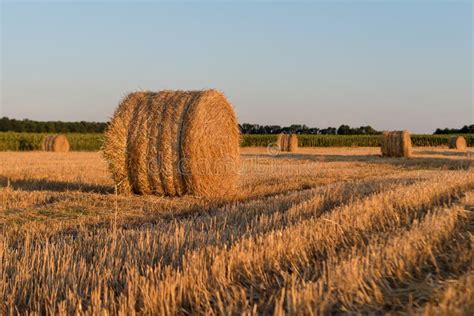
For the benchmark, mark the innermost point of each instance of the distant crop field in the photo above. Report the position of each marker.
(10, 141)
(350, 140)
(322, 231)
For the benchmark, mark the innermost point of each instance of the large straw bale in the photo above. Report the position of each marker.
(176, 143)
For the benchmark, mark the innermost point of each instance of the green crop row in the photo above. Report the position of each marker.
(32, 141)
(93, 142)
(349, 140)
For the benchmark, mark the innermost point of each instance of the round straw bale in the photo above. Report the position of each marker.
(169, 141)
(115, 140)
(56, 143)
(292, 143)
(457, 142)
(406, 147)
(177, 142)
(156, 102)
(396, 144)
(60, 144)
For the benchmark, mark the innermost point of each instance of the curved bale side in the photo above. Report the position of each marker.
(115, 140)
(396, 144)
(137, 147)
(55, 143)
(283, 142)
(457, 142)
(177, 142)
(287, 142)
(279, 141)
(46, 145)
(384, 143)
(292, 143)
(284, 145)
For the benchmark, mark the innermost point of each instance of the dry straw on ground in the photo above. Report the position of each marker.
(396, 144)
(56, 143)
(287, 142)
(174, 143)
(457, 142)
(330, 231)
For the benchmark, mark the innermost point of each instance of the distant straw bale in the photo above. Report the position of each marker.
(287, 142)
(396, 144)
(55, 143)
(457, 142)
(293, 143)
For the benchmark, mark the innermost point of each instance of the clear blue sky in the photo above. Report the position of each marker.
(392, 65)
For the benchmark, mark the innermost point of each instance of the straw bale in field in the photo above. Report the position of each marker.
(174, 143)
(396, 144)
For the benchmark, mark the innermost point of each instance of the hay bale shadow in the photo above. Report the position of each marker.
(452, 153)
(413, 162)
(56, 186)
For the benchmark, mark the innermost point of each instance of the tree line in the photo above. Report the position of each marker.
(464, 130)
(303, 129)
(29, 126)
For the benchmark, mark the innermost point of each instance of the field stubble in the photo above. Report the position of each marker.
(325, 230)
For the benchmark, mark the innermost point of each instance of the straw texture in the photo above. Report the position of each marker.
(176, 143)
(55, 143)
(396, 144)
(457, 142)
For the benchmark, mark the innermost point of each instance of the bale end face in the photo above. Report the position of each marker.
(457, 142)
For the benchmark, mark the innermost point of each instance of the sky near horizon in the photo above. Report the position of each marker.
(391, 65)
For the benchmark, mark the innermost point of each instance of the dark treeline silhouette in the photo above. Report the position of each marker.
(464, 130)
(303, 129)
(29, 126)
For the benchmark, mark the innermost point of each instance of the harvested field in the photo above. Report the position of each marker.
(326, 230)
